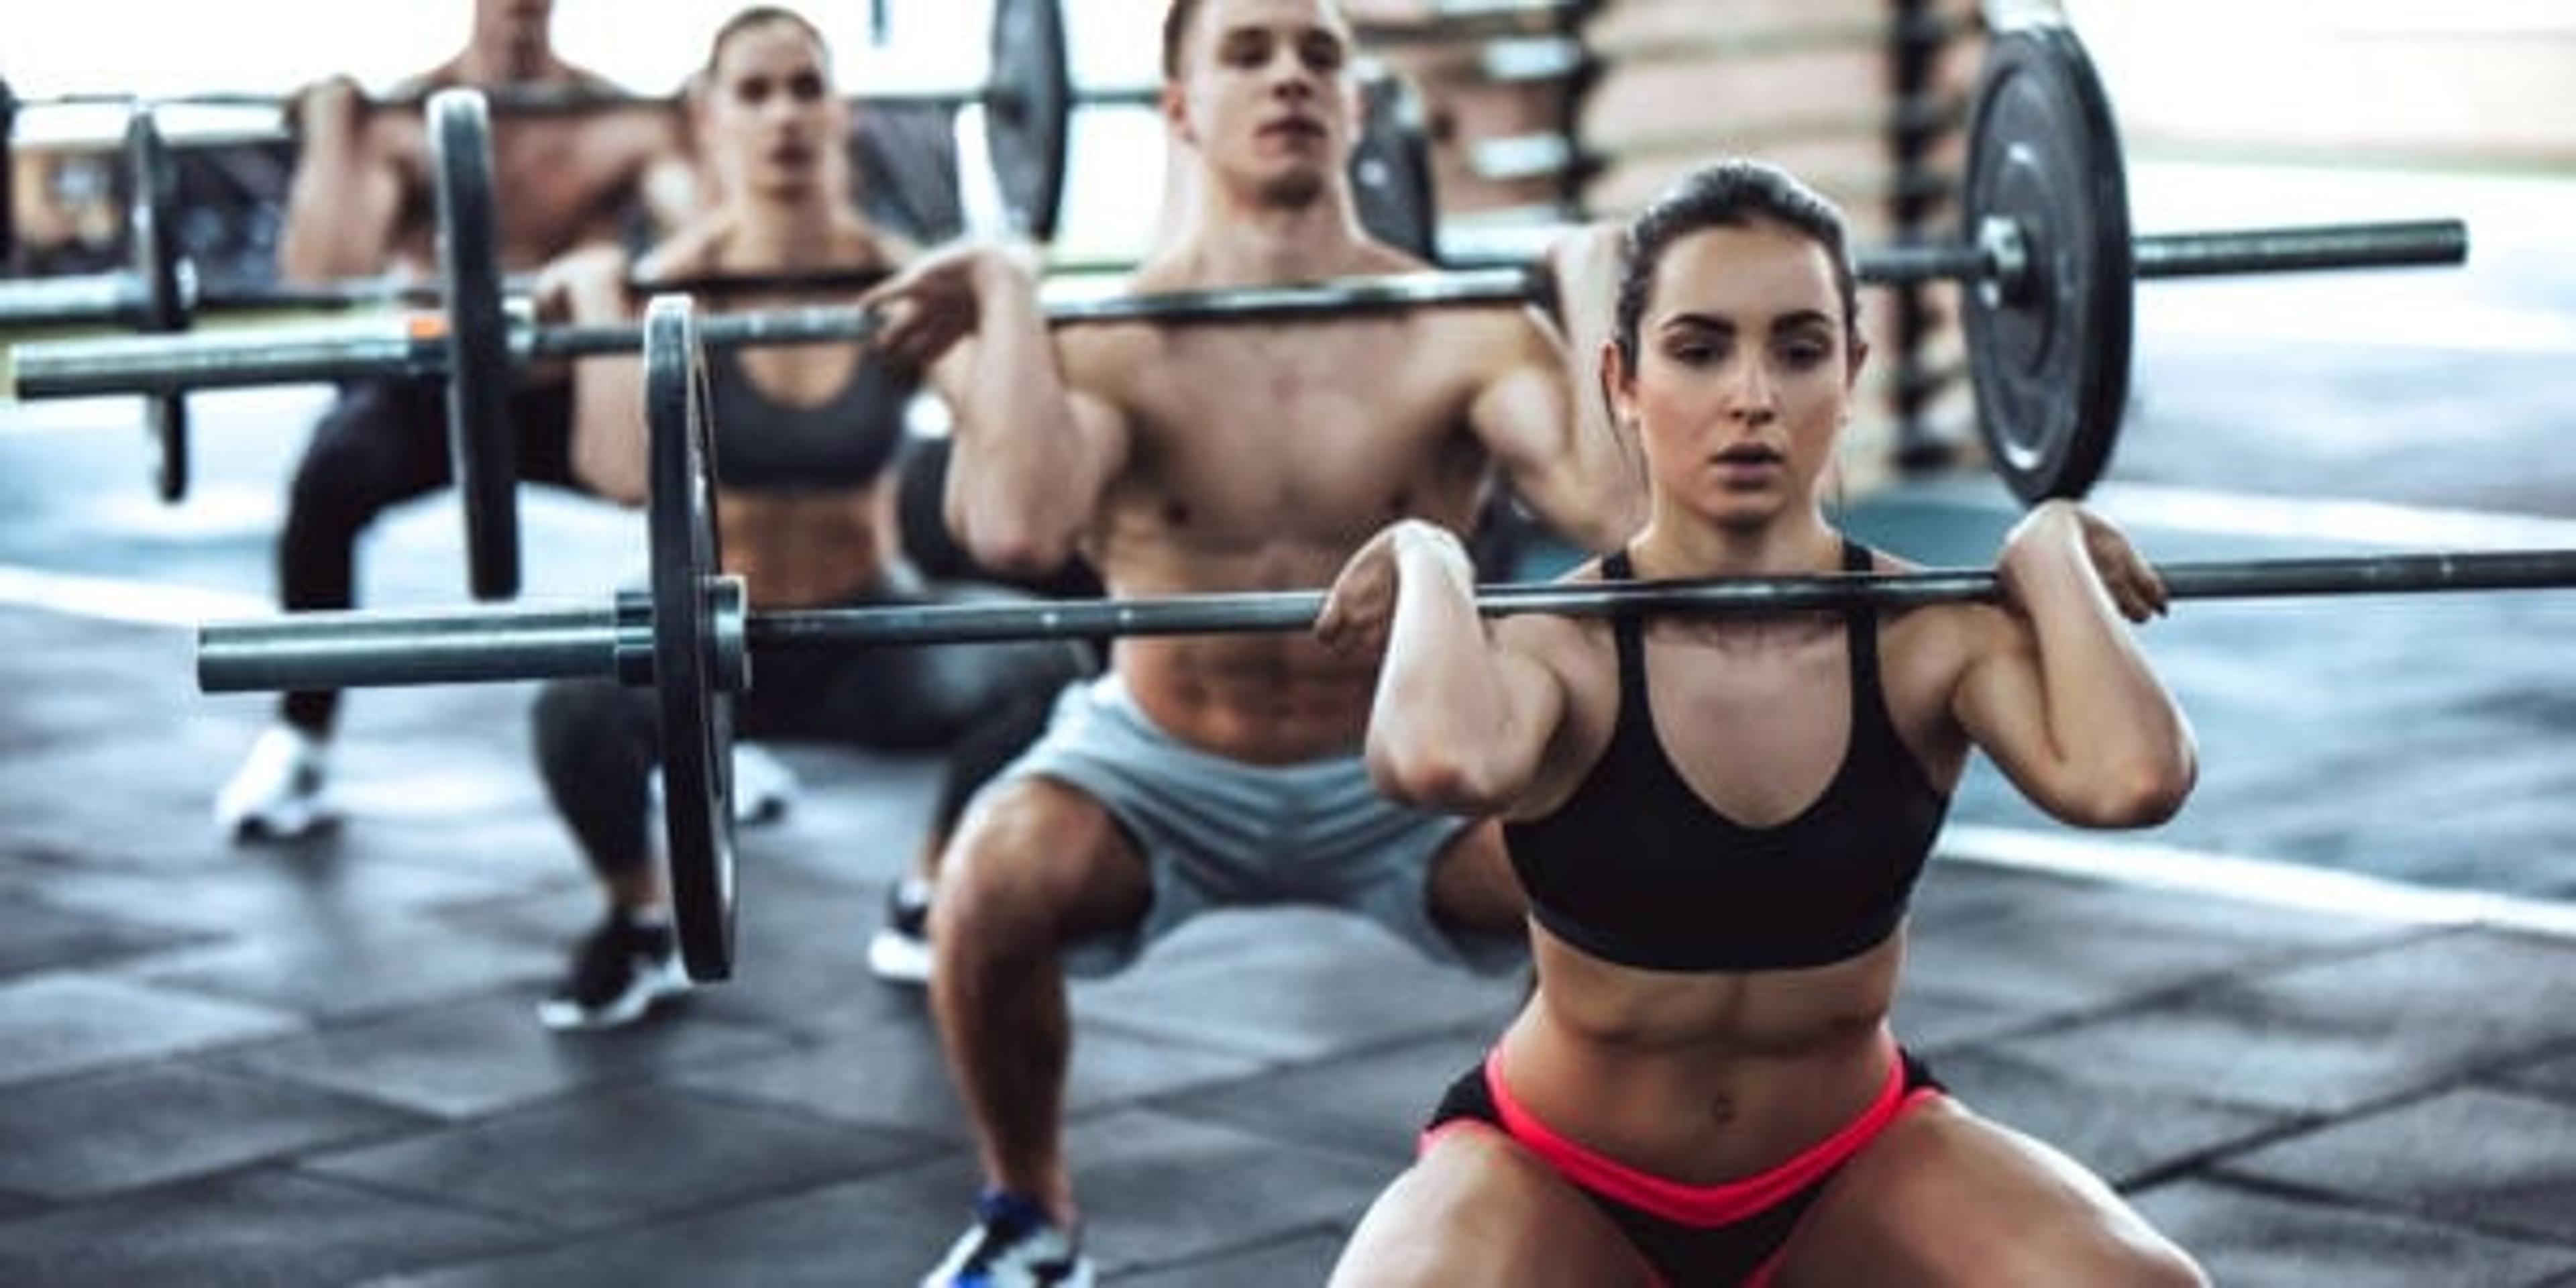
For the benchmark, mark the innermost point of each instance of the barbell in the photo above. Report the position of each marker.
(2045, 243)
(1027, 95)
(477, 340)
(694, 639)
(160, 291)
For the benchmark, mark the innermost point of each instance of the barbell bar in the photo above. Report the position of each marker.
(694, 639)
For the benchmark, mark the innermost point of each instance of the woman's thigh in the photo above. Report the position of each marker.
(1478, 1209)
(1944, 1196)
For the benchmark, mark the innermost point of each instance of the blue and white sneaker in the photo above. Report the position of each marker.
(1012, 1244)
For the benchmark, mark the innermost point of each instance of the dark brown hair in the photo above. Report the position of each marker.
(1730, 194)
(761, 15)
(1176, 33)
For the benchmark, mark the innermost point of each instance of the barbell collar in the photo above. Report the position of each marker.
(372, 649)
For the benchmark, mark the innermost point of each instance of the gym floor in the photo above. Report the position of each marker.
(2322, 1026)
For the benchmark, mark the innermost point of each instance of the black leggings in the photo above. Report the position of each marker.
(382, 443)
(596, 740)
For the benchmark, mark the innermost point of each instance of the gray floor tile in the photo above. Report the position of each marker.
(1302, 1261)
(489, 1054)
(2247, 1239)
(1158, 1188)
(1935, 1022)
(35, 937)
(342, 977)
(2123, 1138)
(253, 1229)
(2334, 1036)
(2091, 946)
(827, 1238)
(2551, 1076)
(1292, 984)
(1372, 1105)
(66, 1023)
(618, 1157)
(84, 1137)
(335, 886)
(2496, 1160)
(895, 1077)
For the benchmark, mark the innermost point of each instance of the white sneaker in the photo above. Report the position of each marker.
(281, 792)
(763, 786)
(1012, 1245)
(899, 953)
(621, 970)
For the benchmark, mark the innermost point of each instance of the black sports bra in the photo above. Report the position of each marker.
(845, 441)
(1636, 869)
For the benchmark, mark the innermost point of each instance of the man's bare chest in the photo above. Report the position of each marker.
(1308, 432)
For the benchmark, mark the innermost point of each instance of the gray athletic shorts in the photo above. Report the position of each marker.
(1218, 833)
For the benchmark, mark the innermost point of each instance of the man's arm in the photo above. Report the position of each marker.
(344, 205)
(1542, 414)
(1033, 454)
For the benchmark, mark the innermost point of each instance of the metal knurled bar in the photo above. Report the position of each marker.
(382, 649)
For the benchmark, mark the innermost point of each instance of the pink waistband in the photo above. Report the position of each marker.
(1699, 1205)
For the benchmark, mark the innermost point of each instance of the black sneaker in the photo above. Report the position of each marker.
(899, 953)
(618, 973)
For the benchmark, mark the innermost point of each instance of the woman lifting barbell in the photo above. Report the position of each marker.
(1719, 825)
(805, 454)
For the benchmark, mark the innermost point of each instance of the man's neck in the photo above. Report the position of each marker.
(507, 63)
(1228, 239)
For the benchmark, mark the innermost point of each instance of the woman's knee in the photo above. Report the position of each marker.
(578, 726)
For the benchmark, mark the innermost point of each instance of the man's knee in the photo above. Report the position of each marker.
(1036, 864)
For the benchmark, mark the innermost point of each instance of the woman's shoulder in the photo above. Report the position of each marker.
(691, 250)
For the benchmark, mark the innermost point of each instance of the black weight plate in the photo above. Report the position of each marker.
(905, 158)
(688, 670)
(480, 443)
(1391, 169)
(168, 417)
(2051, 361)
(151, 225)
(8, 195)
(1028, 110)
(152, 233)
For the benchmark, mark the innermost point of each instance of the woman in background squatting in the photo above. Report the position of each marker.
(806, 438)
(1719, 822)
